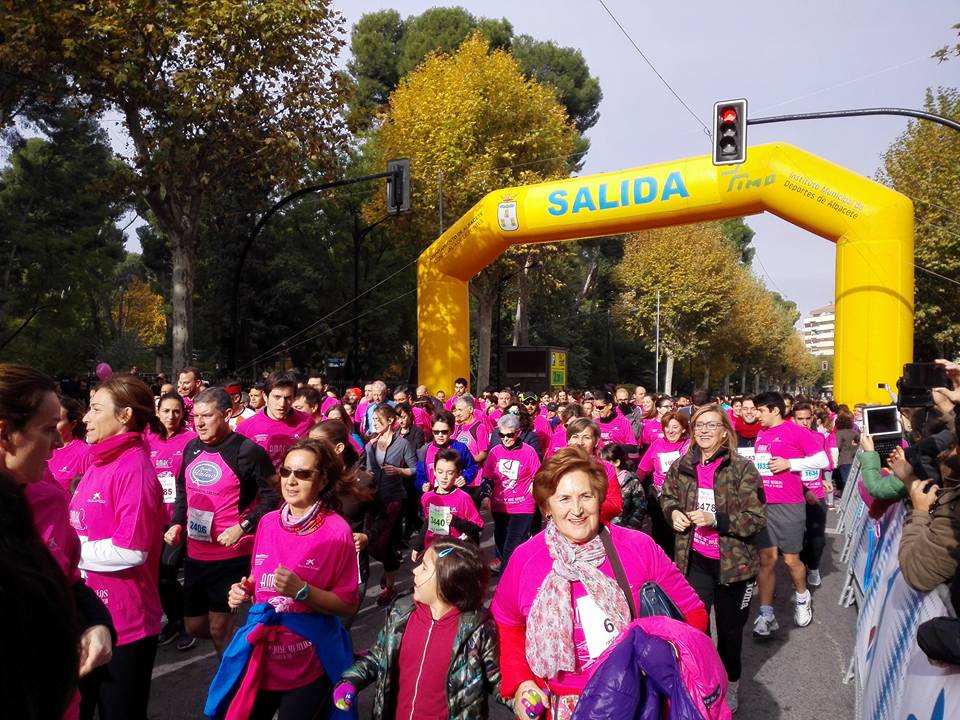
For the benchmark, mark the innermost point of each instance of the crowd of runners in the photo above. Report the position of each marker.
(621, 519)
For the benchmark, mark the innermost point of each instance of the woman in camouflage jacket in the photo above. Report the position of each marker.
(713, 499)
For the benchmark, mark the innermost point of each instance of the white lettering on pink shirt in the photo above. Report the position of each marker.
(275, 436)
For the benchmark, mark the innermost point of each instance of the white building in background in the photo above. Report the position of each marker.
(817, 331)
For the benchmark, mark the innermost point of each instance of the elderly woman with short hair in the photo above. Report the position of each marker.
(511, 467)
(562, 584)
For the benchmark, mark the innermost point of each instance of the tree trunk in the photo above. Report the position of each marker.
(726, 385)
(743, 379)
(668, 376)
(756, 383)
(590, 281)
(521, 325)
(706, 378)
(486, 298)
(182, 302)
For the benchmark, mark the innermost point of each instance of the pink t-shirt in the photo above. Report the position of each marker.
(328, 402)
(652, 429)
(706, 540)
(275, 436)
(512, 472)
(213, 497)
(616, 430)
(541, 426)
(660, 456)
(122, 501)
(474, 435)
(50, 505)
(642, 561)
(557, 440)
(494, 415)
(166, 456)
(439, 509)
(789, 441)
(69, 461)
(360, 415)
(422, 419)
(326, 559)
(813, 479)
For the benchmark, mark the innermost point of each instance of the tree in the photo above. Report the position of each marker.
(212, 95)
(385, 48)
(474, 117)
(694, 269)
(944, 53)
(59, 201)
(923, 163)
(739, 235)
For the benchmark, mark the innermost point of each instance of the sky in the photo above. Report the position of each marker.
(783, 57)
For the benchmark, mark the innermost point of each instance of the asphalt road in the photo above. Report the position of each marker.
(795, 675)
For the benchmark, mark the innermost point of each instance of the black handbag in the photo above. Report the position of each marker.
(653, 599)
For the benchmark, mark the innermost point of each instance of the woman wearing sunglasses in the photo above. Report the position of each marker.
(304, 582)
(511, 466)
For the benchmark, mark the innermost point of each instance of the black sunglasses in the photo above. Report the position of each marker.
(299, 473)
(441, 432)
(508, 435)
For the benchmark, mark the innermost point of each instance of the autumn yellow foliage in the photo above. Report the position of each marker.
(139, 311)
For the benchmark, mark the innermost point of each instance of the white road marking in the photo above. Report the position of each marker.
(174, 667)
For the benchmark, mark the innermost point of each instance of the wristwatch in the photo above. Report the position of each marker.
(246, 526)
(302, 593)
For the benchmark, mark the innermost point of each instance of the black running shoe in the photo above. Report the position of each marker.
(171, 631)
(186, 642)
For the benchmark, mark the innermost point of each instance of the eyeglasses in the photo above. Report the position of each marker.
(508, 435)
(299, 473)
(440, 432)
(707, 425)
(668, 406)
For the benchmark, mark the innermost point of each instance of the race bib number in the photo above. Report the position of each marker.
(510, 469)
(598, 629)
(705, 501)
(667, 459)
(439, 519)
(168, 483)
(810, 476)
(762, 461)
(747, 452)
(200, 525)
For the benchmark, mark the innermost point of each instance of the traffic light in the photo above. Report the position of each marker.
(729, 132)
(398, 186)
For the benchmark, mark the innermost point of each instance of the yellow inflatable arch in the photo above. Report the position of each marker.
(871, 225)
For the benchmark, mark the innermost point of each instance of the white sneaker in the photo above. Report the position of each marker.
(733, 702)
(803, 615)
(763, 626)
(813, 578)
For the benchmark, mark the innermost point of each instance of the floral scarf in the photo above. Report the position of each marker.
(549, 637)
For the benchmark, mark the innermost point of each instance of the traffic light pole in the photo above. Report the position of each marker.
(393, 174)
(919, 114)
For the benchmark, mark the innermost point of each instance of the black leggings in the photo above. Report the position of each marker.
(303, 703)
(120, 690)
(171, 591)
(815, 537)
(731, 605)
(660, 527)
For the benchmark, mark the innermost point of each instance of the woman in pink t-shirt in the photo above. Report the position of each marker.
(653, 467)
(69, 461)
(712, 498)
(559, 604)
(511, 466)
(166, 454)
(304, 561)
(584, 433)
(117, 511)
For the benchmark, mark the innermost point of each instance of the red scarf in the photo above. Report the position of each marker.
(106, 451)
(748, 431)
